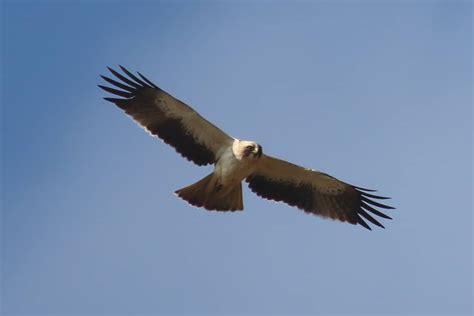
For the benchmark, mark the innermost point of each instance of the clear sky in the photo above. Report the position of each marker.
(376, 94)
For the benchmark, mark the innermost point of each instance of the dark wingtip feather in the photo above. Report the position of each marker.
(370, 218)
(118, 84)
(363, 189)
(116, 92)
(124, 79)
(137, 80)
(361, 222)
(374, 211)
(376, 203)
(375, 196)
(147, 81)
(121, 103)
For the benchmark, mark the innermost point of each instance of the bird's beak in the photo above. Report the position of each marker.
(258, 151)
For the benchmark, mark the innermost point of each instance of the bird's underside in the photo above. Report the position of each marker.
(235, 160)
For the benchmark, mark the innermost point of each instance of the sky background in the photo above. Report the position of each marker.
(376, 94)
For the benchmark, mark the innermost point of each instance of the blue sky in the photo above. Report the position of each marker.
(376, 94)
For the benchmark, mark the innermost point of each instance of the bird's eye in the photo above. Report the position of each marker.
(249, 147)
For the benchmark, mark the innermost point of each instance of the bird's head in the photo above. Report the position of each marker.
(251, 149)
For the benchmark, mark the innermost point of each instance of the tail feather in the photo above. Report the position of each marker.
(208, 193)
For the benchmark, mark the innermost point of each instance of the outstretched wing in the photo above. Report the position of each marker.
(162, 115)
(315, 192)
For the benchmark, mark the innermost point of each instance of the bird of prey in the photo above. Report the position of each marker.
(235, 160)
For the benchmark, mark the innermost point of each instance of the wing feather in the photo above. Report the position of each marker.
(118, 84)
(166, 117)
(314, 192)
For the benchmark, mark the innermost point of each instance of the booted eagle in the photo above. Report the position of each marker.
(234, 160)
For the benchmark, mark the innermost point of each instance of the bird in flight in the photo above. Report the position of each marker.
(235, 160)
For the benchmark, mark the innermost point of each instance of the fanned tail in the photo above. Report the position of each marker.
(211, 195)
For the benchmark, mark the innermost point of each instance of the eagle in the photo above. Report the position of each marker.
(236, 160)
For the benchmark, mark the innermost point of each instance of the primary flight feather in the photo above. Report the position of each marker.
(201, 142)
